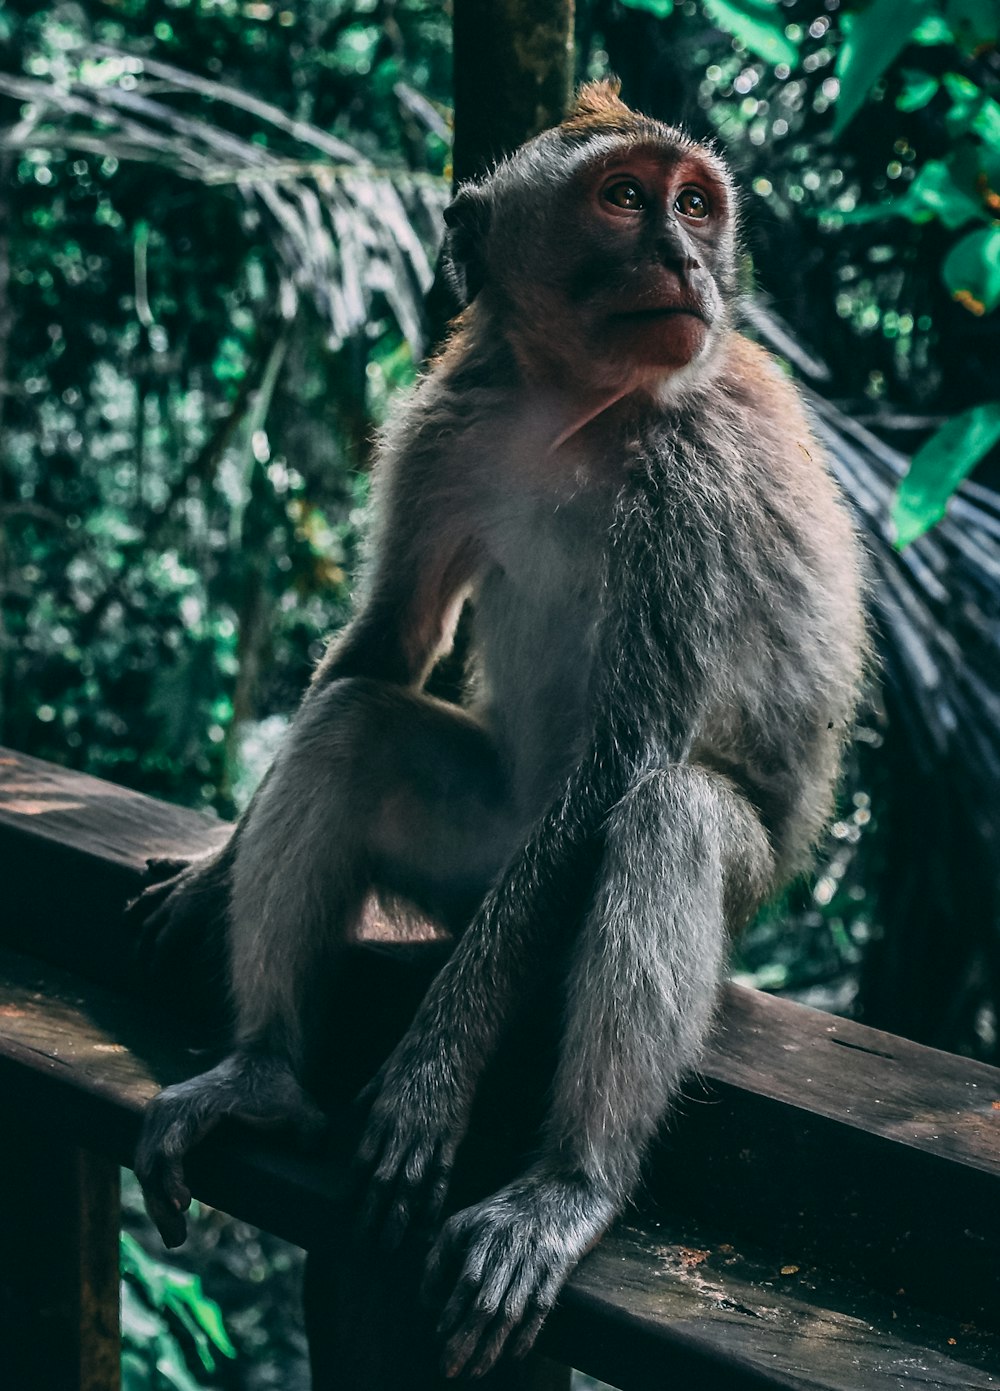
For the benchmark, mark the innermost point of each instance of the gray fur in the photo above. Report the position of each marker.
(667, 649)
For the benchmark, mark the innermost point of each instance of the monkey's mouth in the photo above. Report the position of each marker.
(663, 311)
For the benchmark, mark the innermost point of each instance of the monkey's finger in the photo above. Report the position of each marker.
(161, 931)
(437, 1181)
(378, 1194)
(366, 1097)
(167, 1212)
(442, 1267)
(478, 1293)
(491, 1344)
(405, 1207)
(529, 1299)
(524, 1339)
(164, 1192)
(474, 1349)
(174, 1124)
(461, 1348)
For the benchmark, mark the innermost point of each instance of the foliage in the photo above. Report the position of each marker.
(158, 1300)
(939, 466)
(194, 362)
(937, 57)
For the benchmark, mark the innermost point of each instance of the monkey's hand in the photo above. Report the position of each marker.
(185, 901)
(418, 1115)
(504, 1261)
(258, 1089)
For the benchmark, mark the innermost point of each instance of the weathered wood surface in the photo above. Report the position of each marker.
(662, 1296)
(58, 1264)
(834, 1147)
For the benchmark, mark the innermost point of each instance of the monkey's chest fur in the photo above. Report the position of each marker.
(536, 614)
(723, 585)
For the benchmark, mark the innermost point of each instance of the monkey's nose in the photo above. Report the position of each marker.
(674, 257)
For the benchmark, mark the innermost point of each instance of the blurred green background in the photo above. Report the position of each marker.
(218, 225)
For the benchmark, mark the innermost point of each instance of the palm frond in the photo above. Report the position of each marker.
(348, 234)
(936, 603)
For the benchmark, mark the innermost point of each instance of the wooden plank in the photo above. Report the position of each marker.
(861, 1077)
(74, 850)
(59, 1224)
(663, 1296)
(722, 1319)
(820, 1136)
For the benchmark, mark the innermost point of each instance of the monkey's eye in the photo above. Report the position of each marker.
(691, 202)
(627, 194)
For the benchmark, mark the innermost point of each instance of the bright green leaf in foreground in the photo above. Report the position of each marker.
(933, 193)
(931, 31)
(972, 111)
(918, 89)
(971, 270)
(760, 24)
(937, 469)
(873, 38)
(661, 8)
(169, 1288)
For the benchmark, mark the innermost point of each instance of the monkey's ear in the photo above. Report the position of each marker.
(467, 218)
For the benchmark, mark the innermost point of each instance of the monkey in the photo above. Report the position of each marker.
(667, 647)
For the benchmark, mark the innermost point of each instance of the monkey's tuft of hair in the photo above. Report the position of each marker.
(597, 101)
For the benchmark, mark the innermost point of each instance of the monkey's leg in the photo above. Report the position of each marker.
(375, 785)
(682, 848)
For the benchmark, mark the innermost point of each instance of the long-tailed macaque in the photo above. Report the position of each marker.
(667, 645)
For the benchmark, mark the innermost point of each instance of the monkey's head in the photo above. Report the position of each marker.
(605, 248)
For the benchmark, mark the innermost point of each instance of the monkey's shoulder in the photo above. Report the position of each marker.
(753, 380)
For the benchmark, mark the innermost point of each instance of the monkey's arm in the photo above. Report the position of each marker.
(423, 1096)
(640, 996)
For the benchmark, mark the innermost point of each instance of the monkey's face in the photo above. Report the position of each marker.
(649, 238)
(606, 254)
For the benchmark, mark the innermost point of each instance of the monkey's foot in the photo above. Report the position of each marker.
(258, 1089)
(416, 1121)
(504, 1261)
(185, 900)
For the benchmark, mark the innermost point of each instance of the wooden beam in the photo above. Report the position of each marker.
(665, 1299)
(59, 1225)
(849, 1154)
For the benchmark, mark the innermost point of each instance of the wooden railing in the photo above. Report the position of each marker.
(823, 1211)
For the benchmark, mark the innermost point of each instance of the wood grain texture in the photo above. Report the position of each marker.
(868, 1163)
(59, 1222)
(79, 1060)
(861, 1077)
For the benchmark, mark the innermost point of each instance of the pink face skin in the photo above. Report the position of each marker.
(663, 214)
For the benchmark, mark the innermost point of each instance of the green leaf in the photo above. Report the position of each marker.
(168, 1288)
(933, 193)
(939, 466)
(661, 8)
(760, 24)
(971, 270)
(932, 31)
(873, 38)
(974, 23)
(918, 89)
(972, 111)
